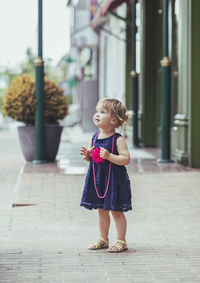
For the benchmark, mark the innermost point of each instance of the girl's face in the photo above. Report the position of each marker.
(102, 118)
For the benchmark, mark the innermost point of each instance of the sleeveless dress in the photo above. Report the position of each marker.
(118, 196)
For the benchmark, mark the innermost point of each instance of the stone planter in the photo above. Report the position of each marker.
(52, 134)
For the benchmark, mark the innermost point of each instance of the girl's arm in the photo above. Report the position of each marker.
(123, 157)
(86, 152)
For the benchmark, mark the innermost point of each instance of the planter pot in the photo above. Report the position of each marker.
(52, 134)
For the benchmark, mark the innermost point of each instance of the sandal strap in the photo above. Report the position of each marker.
(97, 244)
(103, 240)
(122, 242)
(118, 246)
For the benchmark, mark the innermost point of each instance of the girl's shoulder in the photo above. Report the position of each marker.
(120, 139)
(117, 135)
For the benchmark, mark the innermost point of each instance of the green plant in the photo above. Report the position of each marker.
(19, 102)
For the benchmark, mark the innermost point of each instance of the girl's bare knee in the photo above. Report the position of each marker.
(117, 214)
(103, 212)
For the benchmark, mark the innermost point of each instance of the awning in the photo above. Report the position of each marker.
(107, 5)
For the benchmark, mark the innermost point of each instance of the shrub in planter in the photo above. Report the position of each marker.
(19, 103)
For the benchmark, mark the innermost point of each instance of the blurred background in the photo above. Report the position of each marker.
(90, 47)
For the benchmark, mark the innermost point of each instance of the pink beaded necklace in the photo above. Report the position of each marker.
(95, 185)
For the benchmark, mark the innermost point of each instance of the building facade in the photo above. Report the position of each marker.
(118, 53)
(185, 69)
(84, 51)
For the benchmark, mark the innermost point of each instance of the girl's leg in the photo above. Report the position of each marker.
(104, 225)
(121, 225)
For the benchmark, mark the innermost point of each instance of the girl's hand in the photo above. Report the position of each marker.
(86, 152)
(104, 153)
(123, 156)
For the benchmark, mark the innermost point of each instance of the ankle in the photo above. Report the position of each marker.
(121, 239)
(104, 237)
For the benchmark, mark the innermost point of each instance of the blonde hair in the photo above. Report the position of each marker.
(117, 109)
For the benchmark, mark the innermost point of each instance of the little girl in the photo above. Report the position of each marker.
(107, 184)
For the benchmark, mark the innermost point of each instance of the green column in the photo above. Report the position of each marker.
(194, 72)
(39, 90)
(166, 91)
(134, 79)
(129, 57)
(181, 121)
(150, 55)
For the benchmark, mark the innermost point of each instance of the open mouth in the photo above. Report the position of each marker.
(97, 120)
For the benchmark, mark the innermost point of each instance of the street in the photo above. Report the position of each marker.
(44, 233)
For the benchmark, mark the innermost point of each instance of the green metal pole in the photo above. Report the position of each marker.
(39, 90)
(166, 91)
(135, 108)
(135, 80)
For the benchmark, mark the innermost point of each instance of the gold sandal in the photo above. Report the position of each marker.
(119, 245)
(96, 245)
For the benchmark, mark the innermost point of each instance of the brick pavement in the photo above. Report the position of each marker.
(46, 241)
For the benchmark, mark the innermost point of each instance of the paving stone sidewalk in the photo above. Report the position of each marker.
(45, 237)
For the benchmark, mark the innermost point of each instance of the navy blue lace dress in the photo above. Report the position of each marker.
(118, 197)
